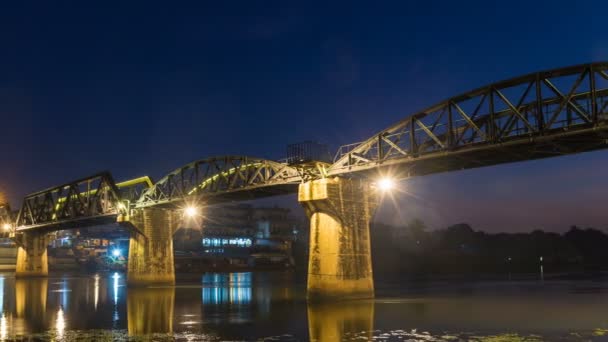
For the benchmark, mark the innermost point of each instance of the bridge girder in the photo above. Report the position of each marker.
(221, 179)
(538, 115)
(533, 116)
(92, 200)
(72, 203)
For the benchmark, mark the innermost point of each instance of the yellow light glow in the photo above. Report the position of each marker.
(122, 206)
(386, 184)
(60, 323)
(3, 328)
(96, 290)
(6, 227)
(191, 211)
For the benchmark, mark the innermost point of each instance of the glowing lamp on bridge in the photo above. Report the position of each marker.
(386, 184)
(191, 211)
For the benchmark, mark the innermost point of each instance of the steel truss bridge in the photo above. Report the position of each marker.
(540, 115)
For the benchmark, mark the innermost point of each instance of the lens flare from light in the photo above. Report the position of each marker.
(386, 184)
(191, 211)
(6, 226)
(116, 252)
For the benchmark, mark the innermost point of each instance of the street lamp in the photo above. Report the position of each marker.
(6, 227)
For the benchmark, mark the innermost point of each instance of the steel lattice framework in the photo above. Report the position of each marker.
(92, 197)
(222, 179)
(538, 115)
(92, 200)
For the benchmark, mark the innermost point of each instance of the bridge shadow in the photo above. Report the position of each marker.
(150, 311)
(342, 320)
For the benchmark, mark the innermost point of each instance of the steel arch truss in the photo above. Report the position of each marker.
(71, 204)
(553, 112)
(222, 179)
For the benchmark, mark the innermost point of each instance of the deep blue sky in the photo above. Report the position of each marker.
(142, 88)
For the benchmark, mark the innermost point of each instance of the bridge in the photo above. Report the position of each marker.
(540, 115)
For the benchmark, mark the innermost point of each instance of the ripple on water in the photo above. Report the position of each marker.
(376, 335)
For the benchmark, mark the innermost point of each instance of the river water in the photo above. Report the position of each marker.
(271, 306)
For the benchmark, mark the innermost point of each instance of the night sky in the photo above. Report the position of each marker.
(141, 88)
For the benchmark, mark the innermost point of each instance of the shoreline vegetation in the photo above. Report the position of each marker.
(413, 251)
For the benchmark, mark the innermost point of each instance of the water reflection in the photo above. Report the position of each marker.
(62, 289)
(115, 278)
(257, 306)
(3, 327)
(150, 310)
(230, 288)
(341, 320)
(115, 315)
(30, 304)
(60, 323)
(1, 293)
(96, 291)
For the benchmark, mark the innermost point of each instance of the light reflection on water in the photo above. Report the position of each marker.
(250, 306)
(60, 323)
(3, 327)
(227, 288)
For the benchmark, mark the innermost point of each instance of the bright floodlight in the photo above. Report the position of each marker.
(191, 211)
(386, 184)
(6, 226)
(116, 252)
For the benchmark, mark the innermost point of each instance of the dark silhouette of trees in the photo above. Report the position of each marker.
(412, 249)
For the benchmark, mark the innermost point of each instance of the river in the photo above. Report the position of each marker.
(272, 306)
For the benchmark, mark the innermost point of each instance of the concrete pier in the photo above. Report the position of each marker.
(32, 258)
(151, 247)
(340, 265)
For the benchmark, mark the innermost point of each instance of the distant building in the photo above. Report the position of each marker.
(307, 151)
(230, 235)
(242, 234)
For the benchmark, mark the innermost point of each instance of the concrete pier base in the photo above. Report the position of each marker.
(151, 247)
(340, 265)
(32, 258)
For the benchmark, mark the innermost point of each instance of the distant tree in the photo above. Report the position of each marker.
(417, 227)
(590, 243)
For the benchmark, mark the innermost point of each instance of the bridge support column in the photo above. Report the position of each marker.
(32, 259)
(339, 265)
(151, 247)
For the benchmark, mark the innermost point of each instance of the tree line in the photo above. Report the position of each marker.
(412, 249)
